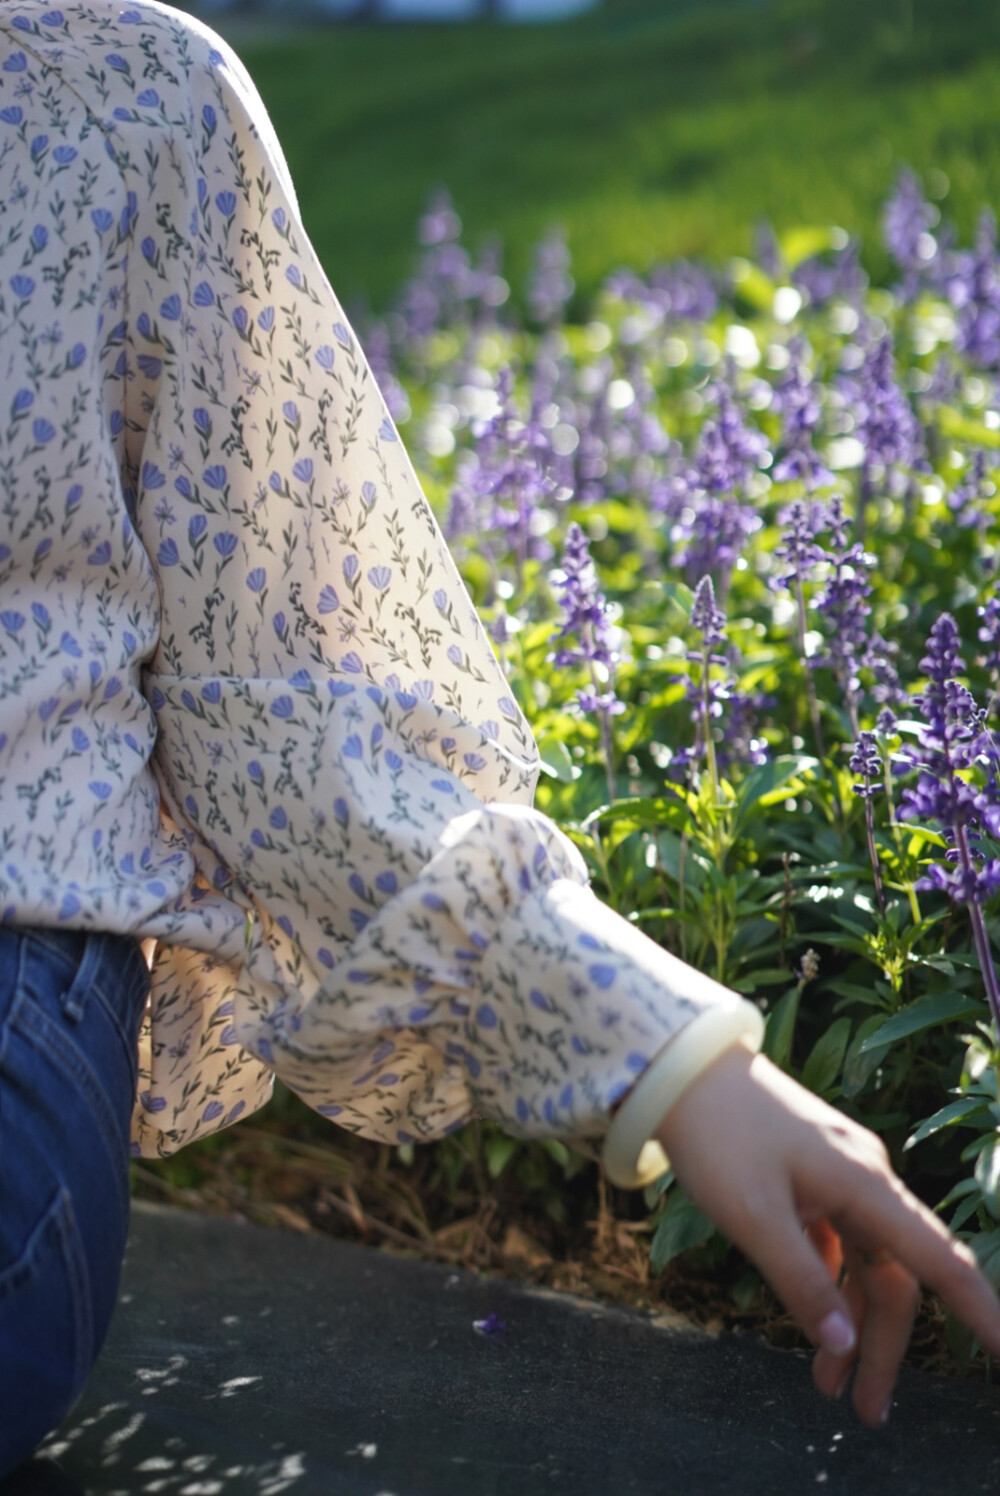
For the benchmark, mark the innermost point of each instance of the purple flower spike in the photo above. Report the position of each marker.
(588, 638)
(796, 399)
(972, 284)
(884, 421)
(550, 285)
(865, 762)
(952, 740)
(706, 617)
(907, 220)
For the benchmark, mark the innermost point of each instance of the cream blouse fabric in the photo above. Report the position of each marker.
(246, 706)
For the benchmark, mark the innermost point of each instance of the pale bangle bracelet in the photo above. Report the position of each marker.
(631, 1156)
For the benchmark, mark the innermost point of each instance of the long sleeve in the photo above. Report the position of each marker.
(361, 897)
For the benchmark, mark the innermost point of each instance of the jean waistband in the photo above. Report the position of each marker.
(70, 947)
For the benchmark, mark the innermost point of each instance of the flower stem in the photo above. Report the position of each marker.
(807, 670)
(872, 852)
(981, 938)
(911, 892)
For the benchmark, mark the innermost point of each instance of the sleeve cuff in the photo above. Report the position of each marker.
(631, 1157)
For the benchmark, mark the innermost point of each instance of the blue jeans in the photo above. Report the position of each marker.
(70, 1005)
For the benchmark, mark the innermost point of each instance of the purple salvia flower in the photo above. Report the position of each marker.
(685, 291)
(766, 250)
(707, 691)
(844, 606)
(797, 402)
(884, 421)
(588, 638)
(866, 763)
(715, 521)
(945, 381)
(799, 550)
(972, 284)
(836, 275)
(378, 350)
(801, 522)
(989, 634)
(951, 740)
(741, 742)
(728, 450)
(907, 220)
(586, 632)
(707, 617)
(550, 284)
(966, 498)
(504, 486)
(680, 291)
(716, 698)
(439, 293)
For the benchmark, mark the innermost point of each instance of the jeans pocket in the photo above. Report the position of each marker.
(46, 1332)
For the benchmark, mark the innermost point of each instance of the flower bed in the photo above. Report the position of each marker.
(734, 534)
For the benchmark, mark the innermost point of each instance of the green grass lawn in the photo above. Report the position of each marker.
(645, 129)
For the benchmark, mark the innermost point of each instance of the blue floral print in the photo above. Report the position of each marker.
(247, 709)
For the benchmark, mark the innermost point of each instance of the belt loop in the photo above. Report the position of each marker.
(75, 996)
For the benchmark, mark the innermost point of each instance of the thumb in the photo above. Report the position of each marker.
(799, 1276)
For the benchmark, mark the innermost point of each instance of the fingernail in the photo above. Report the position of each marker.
(836, 1333)
(884, 1415)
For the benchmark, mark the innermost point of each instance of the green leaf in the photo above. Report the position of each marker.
(497, 1151)
(962, 1188)
(681, 1226)
(988, 1176)
(859, 1067)
(771, 976)
(780, 1028)
(964, 1211)
(679, 596)
(956, 1111)
(852, 990)
(820, 1071)
(986, 1245)
(556, 761)
(954, 423)
(801, 243)
(641, 810)
(753, 285)
(927, 1012)
(770, 782)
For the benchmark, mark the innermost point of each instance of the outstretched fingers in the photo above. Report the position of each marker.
(880, 1210)
(799, 1275)
(890, 1295)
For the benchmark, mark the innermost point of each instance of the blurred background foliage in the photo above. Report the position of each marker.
(645, 129)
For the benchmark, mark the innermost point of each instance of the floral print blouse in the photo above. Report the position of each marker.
(246, 706)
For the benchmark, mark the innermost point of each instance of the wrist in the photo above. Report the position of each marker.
(635, 1148)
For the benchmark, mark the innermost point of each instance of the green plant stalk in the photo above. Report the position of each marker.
(897, 836)
(981, 938)
(706, 721)
(872, 851)
(800, 624)
(604, 724)
(720, 840)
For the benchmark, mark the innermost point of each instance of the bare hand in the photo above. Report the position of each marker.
(804, 1191)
